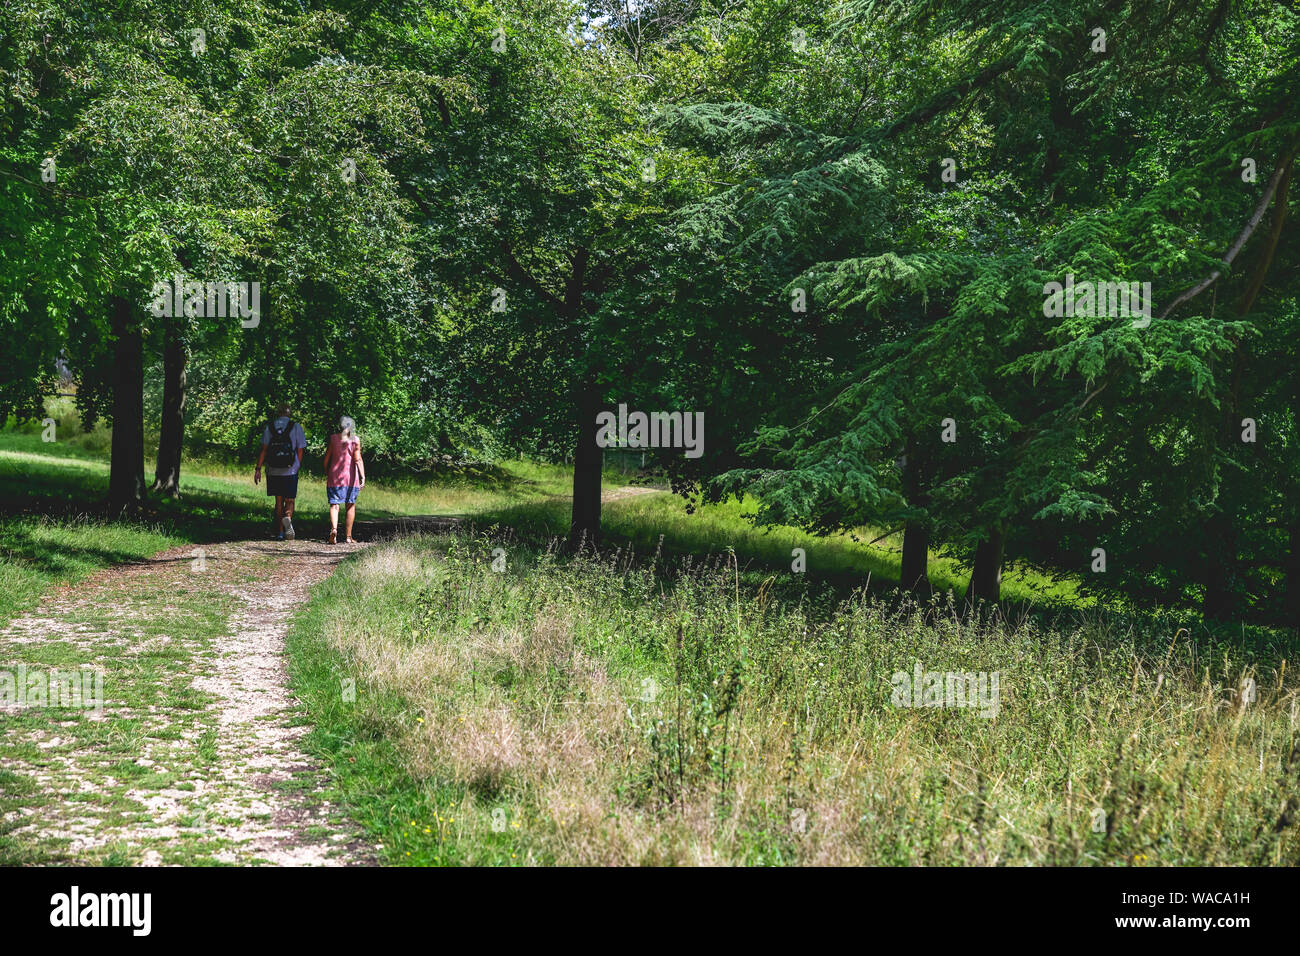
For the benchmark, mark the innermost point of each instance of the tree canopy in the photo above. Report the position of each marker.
(1013, 278)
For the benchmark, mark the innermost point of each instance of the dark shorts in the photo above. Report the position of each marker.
(342, 494)
(284, 485)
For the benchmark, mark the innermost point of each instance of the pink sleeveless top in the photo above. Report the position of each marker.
(343, 472)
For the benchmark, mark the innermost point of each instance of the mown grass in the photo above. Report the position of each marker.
(67, 475)
(611, 711)
(37, 552)
(49, 486)
(71, 774)
(55, 529)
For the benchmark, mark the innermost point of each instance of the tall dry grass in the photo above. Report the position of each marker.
(610, 711)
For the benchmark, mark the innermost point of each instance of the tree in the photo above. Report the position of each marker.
(537, 200)
(977, 353)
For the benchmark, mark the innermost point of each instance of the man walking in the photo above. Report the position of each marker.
(283, 443)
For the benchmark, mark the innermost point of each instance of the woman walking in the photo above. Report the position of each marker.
(345, 475)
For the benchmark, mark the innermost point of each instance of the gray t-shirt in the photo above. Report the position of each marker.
(296, 438)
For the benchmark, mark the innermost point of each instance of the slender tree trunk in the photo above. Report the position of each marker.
(1220, 538)
(126, 464)
(1222, 534)
(986, 576)
(1220, 601)
(588, 459)
(1293, 574)
(916, 533)
(1064, 125)
(171, 437)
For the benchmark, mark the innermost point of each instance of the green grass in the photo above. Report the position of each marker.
(55, 530)
(770, 734)
(499, 717)
(37, 552)
(850, 559)
(69, 477)
(92, 769)
(66, 479)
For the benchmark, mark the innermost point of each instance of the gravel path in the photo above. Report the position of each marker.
(197, 756)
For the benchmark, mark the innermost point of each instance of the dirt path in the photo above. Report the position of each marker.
(619, 493)
(628, 491)
(196, 756)
(196, 753)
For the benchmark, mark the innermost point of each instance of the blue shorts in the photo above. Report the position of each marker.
(342, 495)
(286, 486)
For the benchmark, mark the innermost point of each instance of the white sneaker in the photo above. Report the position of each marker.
(288, 527)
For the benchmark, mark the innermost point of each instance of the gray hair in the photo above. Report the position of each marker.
(347, 427)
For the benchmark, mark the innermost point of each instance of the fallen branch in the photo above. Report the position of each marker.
(887, 534)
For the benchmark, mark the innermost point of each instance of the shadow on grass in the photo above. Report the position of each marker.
(25, 548)
(57, 490)
(540, 524)
(64, 489)
(832, 575)
(766, 576)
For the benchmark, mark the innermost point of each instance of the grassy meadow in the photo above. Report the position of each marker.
(621, 710)
(662, 523)
(55, 531)
(683, 697)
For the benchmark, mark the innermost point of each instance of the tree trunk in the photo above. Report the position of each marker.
(986, 576)
(916, 553)
(1220, 602)
(126, 463)
(1293, 575)
(1220, 539)
(1222, 535)
(588, 459)
(916, 533)
(167, 474)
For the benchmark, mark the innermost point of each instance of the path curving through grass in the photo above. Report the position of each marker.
(195, 756)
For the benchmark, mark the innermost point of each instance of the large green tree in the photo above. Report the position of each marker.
(1073, 156)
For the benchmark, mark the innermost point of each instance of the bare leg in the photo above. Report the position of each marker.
(334, 518)
(279, 512)
(351, 514)
(288, 508)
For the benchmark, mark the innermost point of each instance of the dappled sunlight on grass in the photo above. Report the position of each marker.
(220, 501)
(713, 528)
